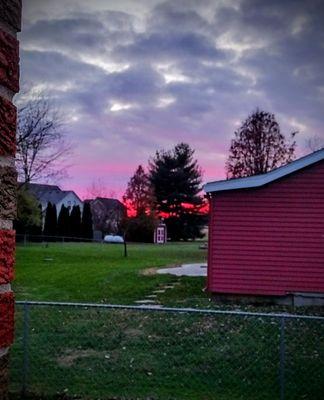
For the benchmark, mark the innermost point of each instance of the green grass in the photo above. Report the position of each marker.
(129, 354)
(85, 353)
(98, 272)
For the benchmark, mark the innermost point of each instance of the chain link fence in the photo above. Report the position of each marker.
(27, 239)
(88, 351)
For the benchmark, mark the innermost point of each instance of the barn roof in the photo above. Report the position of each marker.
(260, 180)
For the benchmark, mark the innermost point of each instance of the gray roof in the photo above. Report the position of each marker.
(108, 203)
(48, 193)
(260, 180)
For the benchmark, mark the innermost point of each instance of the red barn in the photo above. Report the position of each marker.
(266, 233)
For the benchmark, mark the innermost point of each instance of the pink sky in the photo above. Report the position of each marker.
(133, 77)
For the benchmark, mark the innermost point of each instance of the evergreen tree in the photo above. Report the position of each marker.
(54, 221)
(86, 222)
(29, 217)
(75, 222)
(47, 222)
(258, 147)
(50, 224)
(139, 229)
(176, 181)
(63, 222)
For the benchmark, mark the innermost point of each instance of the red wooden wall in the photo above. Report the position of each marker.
(269, 240)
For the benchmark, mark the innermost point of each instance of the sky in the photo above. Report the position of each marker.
(136, 76)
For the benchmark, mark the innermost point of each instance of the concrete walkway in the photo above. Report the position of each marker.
(186, 270)
(151, 300)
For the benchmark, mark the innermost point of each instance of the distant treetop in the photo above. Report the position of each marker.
(259, 147)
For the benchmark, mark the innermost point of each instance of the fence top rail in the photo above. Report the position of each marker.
(169, 309)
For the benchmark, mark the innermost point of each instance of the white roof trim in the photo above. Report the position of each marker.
(260, 180)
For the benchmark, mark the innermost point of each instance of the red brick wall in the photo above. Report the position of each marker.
(8, 117)
(10, 19)
(7, 256)
(9, 58)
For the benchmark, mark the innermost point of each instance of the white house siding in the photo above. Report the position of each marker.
(70, 200)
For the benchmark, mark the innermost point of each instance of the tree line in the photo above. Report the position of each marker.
(169, 188)
(171, 185)
(69, 223)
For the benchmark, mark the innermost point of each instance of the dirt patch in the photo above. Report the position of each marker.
(148, 271)
(132, 332)
(69, 358)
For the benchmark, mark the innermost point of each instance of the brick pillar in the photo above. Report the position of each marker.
(10, 20)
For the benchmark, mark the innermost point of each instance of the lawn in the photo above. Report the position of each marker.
(100, 272)
(89, 353)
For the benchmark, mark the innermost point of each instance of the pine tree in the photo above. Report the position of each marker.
(75, 222)
(50, 224)
(54, 221)
(176, 181)
(63, 222)
(60, 221)
(47, 222)
(86, 222)
(258, 147)
(29, 218)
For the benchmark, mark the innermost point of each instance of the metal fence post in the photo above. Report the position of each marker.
(125, 248)
(282, 358)
(25, 350)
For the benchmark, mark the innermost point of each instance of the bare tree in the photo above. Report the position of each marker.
(138, 197)
(259, 147)
(98, 188)
(42, 150)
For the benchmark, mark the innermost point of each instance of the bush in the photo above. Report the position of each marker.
(139, 229)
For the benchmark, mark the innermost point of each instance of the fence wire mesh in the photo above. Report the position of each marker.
(95, 352)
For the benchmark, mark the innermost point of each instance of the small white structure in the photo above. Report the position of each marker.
(113, 239)
(160, 233)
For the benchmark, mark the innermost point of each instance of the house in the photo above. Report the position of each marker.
(266, 234)
(107, 215)
(52, 193)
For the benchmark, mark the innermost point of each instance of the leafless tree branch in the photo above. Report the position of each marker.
(42, 149)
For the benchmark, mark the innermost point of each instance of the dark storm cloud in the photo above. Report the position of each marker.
(166, 46)
(80, 34)
(138, 82)
(38, 68)
(150, 74)
(68, 34)
(288, 57)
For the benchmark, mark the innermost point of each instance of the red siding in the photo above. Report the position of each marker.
(269, 240)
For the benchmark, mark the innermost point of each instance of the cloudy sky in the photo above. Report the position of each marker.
(134, 76)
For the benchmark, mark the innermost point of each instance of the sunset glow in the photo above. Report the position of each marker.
(136, 77)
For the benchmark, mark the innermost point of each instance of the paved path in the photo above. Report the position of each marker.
(151, 300)
(186, 270)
